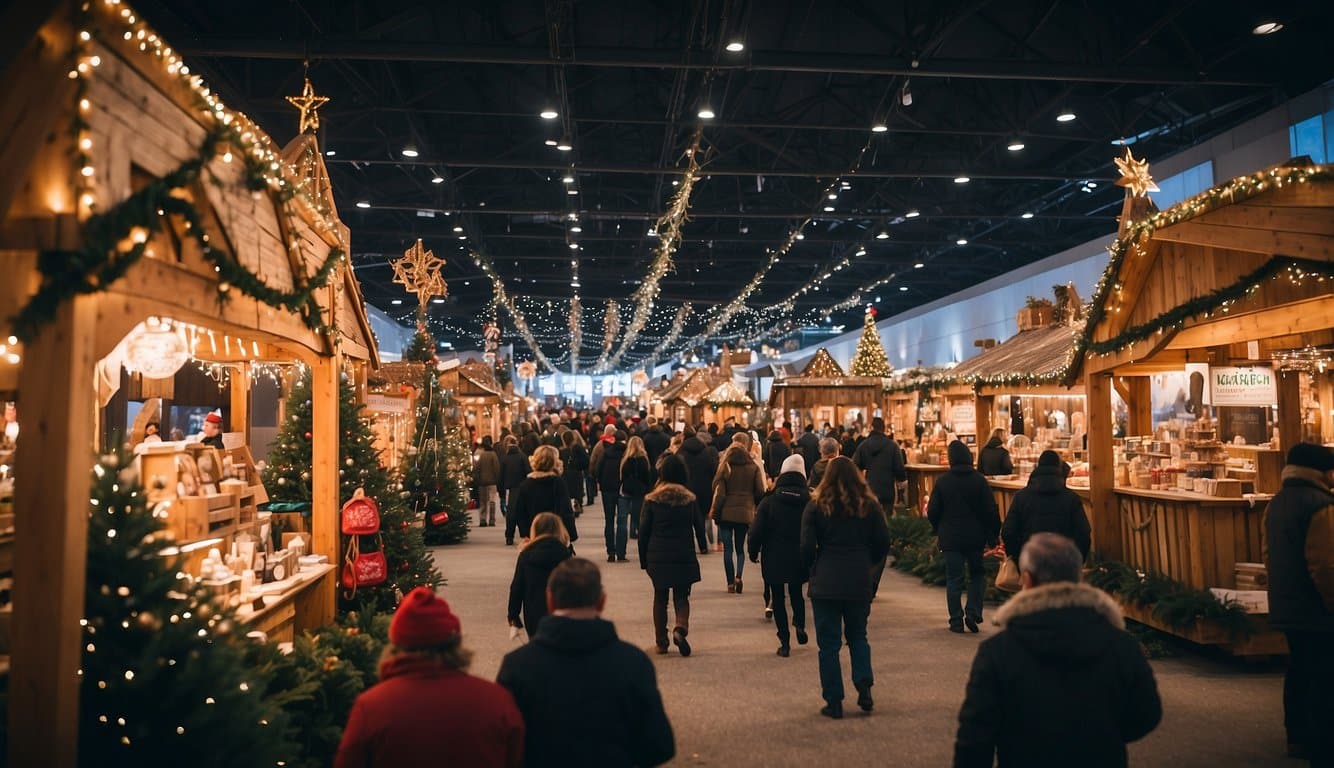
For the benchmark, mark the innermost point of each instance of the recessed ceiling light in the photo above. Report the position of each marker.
(574, 246)
(410, 151)
(458, 229)
(1267, 28)
(564, 144)
(918, 265)
(396, 301)
(961, 179)
(961, 241)
(549, 114)
(576, 229)
(903, 287)
(551, 142)
(571, 191)
(437, 179)
(833, 195)
(736, 46)
(574, 283)
(1065, 116)
(1026, 215)
(879, 128)
(914, 213)
(1015, 145)
(706, 113)
(330, 152)
(568, 178)
(883, 235)
(363, 204)
(861, 251)
(437, 301)
(829, 209)
(800, 236)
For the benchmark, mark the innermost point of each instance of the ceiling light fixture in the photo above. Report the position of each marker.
(961, 179)
(829, 209)
(706, 112)
(571, 191)
(1015, 145)
(564, 144)
(879, 127)
(551, 142)
(961, 241)
(1026, 215)
(458, 229)
(833, 195)
(903, 287)
(905, 95)
(410, 151)
(914, 213)
(330, 152)
(884, 235)
(568, 178)
(548, 114)
(1065, 116)
(363, 204)
(574, 246)
(861, 250)
(396, 301)
(736, 46)
(1267, 28)
(576, 229)
(918, 265)
(437, 179)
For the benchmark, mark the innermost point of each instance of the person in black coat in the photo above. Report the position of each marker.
(843, 532)
(963, 514)
(993, 459)
(607, 466)
(1062, 683)
(514, 468)
(671, 526)
(587, 697)
(1299, 531)
(882, 461)
(701, 462)
(529, 439)
(775, 543)
(775, 453)
(548, 548)
(636, 481)
(574, 459)
(1046, 504)
(809, 445)
(542, 491)
(655, 440)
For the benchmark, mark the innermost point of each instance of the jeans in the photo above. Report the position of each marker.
(591, 486)
(977, 585)
(734, 547)
(680, 603)
(849, 616)
(511, 519)
(488, 500)
(609, 527)
(779, 605)
(636, 506)
(1305, 694)
(627, 514)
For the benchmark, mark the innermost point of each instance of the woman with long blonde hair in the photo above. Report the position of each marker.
(738, 486)
(636, 480)
(548, 546)
(544, 490)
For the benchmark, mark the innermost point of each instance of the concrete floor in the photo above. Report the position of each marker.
(735, 703)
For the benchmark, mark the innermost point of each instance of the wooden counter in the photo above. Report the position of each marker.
(921, 479)
(292, 611)
(1193, 538)
(1005, 489)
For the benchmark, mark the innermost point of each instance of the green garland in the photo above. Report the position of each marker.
(1178, 606)
(102, 259)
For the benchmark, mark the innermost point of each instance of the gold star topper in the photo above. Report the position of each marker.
(419, 272)
(309, 105)
(1135, 175)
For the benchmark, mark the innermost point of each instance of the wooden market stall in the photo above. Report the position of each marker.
(482, 402)
(684, 401)
(1230, 292)
(728, 400)
(824, 393)
(212, 243)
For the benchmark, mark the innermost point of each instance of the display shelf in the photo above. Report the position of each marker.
(282, 615)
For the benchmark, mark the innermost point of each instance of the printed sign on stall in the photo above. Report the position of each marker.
(963, 416)
(383, 403)
(1255, 386)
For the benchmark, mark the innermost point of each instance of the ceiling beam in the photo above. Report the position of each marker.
(671, 59)
(855, 214)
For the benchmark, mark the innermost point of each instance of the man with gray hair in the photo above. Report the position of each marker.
(1061, 683)
(828, 450)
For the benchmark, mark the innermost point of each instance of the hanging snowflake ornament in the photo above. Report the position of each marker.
(527, 370)
(1135, 175)
(419, 272)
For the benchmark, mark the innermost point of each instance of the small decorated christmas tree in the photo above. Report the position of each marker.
(288, 478)
(422, 347)
(166, 677)
(870, 358)
(437, 471)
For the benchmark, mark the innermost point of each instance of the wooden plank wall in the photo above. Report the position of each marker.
(1193, 542)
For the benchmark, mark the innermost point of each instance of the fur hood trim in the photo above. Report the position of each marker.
(671, 494)
(1313, 476)
(1065, 594)
(539, 475)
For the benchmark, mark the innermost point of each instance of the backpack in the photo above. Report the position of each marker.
(361, 517)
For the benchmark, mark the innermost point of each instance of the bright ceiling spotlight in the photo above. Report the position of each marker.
(1015, 144)
(571, 191)
(961, 241)
(458, 229)
(576, 229)
(706, 112)
(437, 179)
(905, 95)
(883, 235)
(879, 127)
(1267, 28)
(564, 145)
(330, 152)
(833, 196)
(568, 178)
(1065, 116)
(914, 213)
(903, 287)
(410, 151)
(918, 265)
(363, 204)
(551, 142)
(861, 250)
(736, 46)
(1026, 215)
(961, 179)
(574, 246)
(396, 301)
(549, 114)
(829, 209)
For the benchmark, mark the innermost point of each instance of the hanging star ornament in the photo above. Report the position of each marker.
(419, 272)
(1135, 175)
(309, 104)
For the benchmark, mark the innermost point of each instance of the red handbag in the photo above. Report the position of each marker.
(364, 569)
(361, 515)
(440, 518)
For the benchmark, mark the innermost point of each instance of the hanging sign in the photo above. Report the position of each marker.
(963, 417)
(386, 403)
(1243, 386)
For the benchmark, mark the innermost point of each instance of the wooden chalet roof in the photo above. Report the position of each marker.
(822, 366)
(694, 388)
(480, 376)
(1036, 355)
(728, 393)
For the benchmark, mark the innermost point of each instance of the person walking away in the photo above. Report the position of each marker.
(843, 532)
(775, 453)
(1299, 529)
(1062, 683)
(636, 480)
(591, 699)
(809, 446)
(701, 462)
(963, 515)
(828, 450)
(426, 698)
(994, 459)
(514, 469)
(1045, 504)
(529, 439)
(882, 461)
(607, 465)
(775, 543)
(737, 487)
(486, 476)
(548, 546)
(574, 458)
(656, 440)
(671, 527)
(543, 491)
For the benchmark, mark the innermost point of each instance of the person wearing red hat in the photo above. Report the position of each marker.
(427, 710)
(213, 429)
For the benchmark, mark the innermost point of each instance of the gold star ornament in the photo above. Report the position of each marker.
(1135, 175)
(419, 272)
(309, 104)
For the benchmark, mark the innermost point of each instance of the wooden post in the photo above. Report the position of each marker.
(1326, 415)
(1289, 410)
(324, 490)
(51, 537)
(984, 405)
(240, 395)
(1102, 474)
(1140, 406)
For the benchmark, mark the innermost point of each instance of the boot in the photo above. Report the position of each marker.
(864, 700)
(833, 710)
(679, 640)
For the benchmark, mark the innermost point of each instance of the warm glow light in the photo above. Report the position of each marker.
(736, 46)
(1065, 116)
(1026, 215)
(706, 113)
(363, 204)
(879, 128)
(549, 114)
(1267, 28)
(884, 235)
(961, 179)
(155, 350)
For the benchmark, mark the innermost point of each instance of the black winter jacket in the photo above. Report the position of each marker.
(817, 472)
(670, 527)
(587, 698)
(883, 462)
(993, 459)
(655, 442)
(574, 463)
(1045, 505)
(810, 449)
(529, 442)
(542, 492)
(608, 467)
(1062, 685)
(775, 536)
(701, 462)
(839, 552)
(962, 509)
(528, 589)
(514, 468)
(1299, 528)
(775, 453)
(636, 477)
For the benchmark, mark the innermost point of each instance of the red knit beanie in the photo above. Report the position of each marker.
(423, 620)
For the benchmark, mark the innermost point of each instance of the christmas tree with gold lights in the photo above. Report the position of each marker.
(870, 358)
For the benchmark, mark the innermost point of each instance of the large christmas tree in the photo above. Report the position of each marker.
(165, 678)
(437, 470)
(288, 478)
(870, 359)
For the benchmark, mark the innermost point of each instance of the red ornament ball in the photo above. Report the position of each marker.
(307, 435)
(404, 566)
(872, 312)
(403, 525)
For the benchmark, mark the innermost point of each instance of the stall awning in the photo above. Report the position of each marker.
(1036, 355)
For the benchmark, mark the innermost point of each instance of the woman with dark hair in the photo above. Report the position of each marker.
(737, 487)
(548, 546)
(574, 457)
(843, 533)
(670, 528)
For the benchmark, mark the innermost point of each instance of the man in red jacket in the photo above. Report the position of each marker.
(427, 710)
